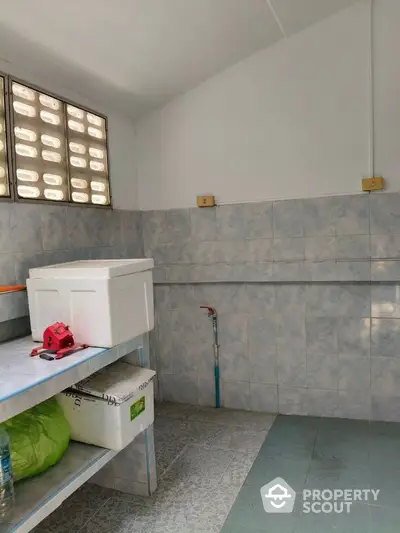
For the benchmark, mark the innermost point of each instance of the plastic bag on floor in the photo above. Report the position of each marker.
(39, 438)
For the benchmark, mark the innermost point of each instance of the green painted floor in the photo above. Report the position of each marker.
(324, 453)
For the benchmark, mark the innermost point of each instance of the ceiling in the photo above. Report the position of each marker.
(138, 54)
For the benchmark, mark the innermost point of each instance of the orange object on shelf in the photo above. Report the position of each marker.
(12, 288)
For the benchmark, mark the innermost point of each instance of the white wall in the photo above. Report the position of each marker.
(124, 186)
(121, 134)
(291, 121)
(387, 90)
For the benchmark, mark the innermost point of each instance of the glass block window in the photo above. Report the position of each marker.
(87, 152)
(39, 145)
(59, 149)
(4, 182)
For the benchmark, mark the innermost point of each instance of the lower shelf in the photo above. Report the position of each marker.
(36, 498)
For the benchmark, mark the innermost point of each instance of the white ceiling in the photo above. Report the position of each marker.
(147, 50)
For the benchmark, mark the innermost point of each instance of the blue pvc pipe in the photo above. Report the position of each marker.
(217, 395)
(212, 313)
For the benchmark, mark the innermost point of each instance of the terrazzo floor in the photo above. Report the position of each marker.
(212, 463)
(203, 458)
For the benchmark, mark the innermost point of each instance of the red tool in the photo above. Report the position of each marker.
(58, 341)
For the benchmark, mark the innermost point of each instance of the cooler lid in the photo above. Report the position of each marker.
(92, 269)
(116, 383)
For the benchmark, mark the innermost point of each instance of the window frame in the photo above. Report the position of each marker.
(13, 182)
(9, 151)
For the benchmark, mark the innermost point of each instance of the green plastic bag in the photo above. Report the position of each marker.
(39, 438)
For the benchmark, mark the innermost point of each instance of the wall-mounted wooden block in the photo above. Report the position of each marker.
(205, 201)
(373, 184)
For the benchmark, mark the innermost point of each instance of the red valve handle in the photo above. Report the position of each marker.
(211, 310)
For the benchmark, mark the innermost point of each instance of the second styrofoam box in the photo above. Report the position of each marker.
(105, 302)
(111, 407)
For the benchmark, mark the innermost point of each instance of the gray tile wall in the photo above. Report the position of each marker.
(312, 240)
(37, 235)
(292, 348)
(319, 336)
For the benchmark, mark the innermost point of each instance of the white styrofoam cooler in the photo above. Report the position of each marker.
(111, 407)
(105, 302)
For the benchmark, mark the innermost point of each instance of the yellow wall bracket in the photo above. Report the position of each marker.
(376, 183)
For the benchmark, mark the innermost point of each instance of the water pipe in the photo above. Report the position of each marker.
(212, 313)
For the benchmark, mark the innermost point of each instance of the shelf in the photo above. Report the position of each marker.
(26, 381)
(37, 497)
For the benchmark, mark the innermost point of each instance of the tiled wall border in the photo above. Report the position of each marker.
(295, 272)
(352, 238)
